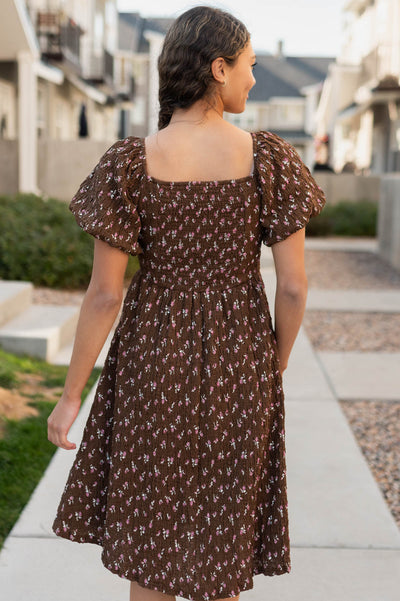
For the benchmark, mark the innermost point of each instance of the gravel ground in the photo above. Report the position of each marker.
(48, 296)
(337, 269)
(340, 331)
(375, 425)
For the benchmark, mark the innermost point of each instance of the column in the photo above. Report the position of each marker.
(27, 114)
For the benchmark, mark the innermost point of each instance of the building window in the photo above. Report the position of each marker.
(41, 113)
(7, 111)
(290, 113)
(138, 112)
(122, 65)
(98, 32)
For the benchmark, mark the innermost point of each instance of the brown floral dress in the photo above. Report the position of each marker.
(181, 473)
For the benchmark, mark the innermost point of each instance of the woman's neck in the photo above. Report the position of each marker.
(200, 113)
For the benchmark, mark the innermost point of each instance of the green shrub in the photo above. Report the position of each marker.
(345, 218)
(41, 242)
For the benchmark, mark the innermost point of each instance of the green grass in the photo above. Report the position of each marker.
(25, 450)
(11, 365)
(8, 378)
(24, 455)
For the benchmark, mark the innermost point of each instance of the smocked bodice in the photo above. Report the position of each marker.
(199, 235)
(195, 235)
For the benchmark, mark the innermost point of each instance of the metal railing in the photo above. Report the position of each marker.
(59, 37)
(101, 68)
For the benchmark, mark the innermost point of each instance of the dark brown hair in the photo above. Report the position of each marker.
(194, 40)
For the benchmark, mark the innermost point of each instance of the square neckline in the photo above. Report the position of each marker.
(238, 180)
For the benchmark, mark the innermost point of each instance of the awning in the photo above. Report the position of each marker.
(351, 111)
(370, 98)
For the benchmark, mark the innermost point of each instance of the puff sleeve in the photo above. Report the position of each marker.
(105, 204)
(289, 194)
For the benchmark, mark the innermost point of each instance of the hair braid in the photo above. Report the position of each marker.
(194, 40)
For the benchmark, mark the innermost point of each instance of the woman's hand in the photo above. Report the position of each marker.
(60, 420)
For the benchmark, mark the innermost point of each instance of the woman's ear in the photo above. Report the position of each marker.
(218, 69)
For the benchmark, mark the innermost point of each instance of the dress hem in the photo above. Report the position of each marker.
(257, 570)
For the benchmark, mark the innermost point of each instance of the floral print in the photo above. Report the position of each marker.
(181, 473)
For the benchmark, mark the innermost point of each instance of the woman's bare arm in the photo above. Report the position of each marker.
(291, 292)
(99, 310)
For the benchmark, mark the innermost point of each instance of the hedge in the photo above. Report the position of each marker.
(346, 218)
(41, 242)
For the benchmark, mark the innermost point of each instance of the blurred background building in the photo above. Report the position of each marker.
(76, 75)
(360, 101)
(285, 98)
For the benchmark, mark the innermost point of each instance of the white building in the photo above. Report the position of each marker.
(360, 102)
(56, 80)
(285, 99)
(139, 45)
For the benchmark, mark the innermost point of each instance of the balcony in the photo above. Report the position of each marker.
(101, 69)
(127, 92)
(59, 38)
(376, 65)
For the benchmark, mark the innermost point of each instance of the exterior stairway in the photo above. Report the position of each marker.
(41, 331)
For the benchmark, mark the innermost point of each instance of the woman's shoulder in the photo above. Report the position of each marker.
(122, 160)
(266, 143)
(131, 146)
(121, 164)
(272, 149)
(269, 139)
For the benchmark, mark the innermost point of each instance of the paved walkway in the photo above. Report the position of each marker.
(339, 243)
(345, 544)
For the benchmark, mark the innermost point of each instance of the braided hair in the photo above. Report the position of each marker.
(194, 40)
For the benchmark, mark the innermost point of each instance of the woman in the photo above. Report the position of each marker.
(181, 475)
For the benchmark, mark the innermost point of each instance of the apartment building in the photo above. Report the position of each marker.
(360, 100)
(285, 100)
(139, 45)
(56, 80)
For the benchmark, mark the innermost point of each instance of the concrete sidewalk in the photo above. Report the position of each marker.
(345, 544)
(343, 243)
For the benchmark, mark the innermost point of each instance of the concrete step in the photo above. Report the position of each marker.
(63, 356)
(15, 297)
(40, 331)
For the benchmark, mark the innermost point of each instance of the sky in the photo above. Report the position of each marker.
(307, 27)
